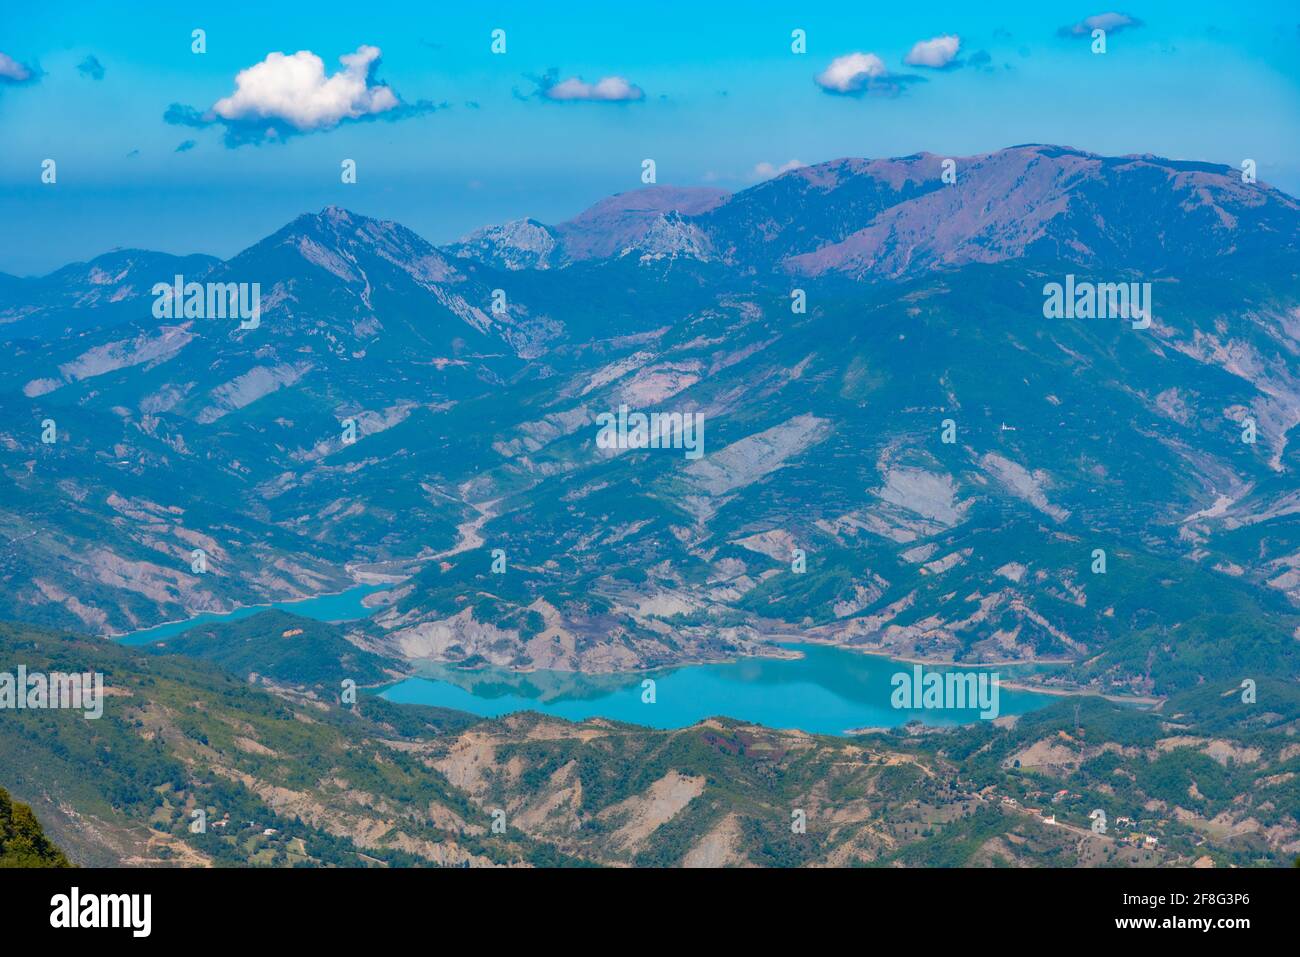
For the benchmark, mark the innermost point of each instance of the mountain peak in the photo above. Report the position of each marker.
(1057, 203)
(687, 200)
(518, 244)
(621, 221)
(890, 217)
(340, 215)
(338, 228)
(330, 219)
(348, 245)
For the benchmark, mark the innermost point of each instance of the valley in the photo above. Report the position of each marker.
(285, 774)
(461, 478)
(443, 442)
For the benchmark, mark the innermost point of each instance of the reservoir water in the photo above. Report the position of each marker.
(345, 606)
(824, 691)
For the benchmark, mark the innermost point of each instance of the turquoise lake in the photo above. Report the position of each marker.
(345, 606)
(825, 691)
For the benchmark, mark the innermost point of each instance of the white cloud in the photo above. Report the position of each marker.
(1110, 22)
(296, 90)
(935, 53)
(863, 74)
(851, 73)
(608, 89)
(12, 70)
(766, 170)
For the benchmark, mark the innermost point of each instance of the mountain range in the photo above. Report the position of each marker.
(880, 390)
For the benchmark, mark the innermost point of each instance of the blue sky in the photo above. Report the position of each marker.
(721, 93)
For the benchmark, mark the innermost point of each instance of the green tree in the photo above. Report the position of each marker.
(22, 842)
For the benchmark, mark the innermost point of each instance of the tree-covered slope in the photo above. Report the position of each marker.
(288, 774)
(22, 841)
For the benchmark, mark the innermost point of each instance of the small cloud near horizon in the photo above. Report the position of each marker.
(1110, 22)
(862, 74)
(91, 67)
(766, 170)
(185, 146)
(285, 96)
(607, 89)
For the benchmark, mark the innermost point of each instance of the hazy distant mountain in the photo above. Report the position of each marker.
(474, 377)
(643, 220)
(109, 289)
(882, 219)
(1138, 213)
(521, 244)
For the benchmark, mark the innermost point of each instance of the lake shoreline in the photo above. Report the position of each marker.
(813, 688)
(1019, 685)
(772, 648)
(245, 611)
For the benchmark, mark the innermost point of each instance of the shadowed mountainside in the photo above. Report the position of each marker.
(880, 390)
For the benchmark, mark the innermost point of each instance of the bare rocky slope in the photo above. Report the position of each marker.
(880, 391)
(282, 772)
